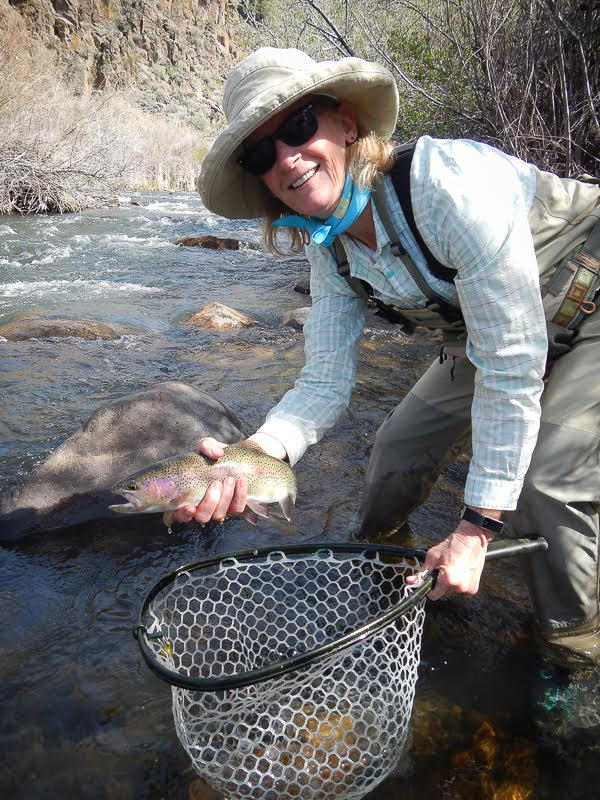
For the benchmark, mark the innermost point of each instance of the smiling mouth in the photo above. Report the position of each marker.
(302, 180)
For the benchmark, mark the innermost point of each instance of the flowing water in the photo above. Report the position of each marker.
(82, 716)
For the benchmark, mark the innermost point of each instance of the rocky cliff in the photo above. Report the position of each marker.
(171, 54)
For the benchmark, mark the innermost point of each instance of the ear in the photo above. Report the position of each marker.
(347, 116)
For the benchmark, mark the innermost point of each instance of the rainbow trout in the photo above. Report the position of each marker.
(179, 480)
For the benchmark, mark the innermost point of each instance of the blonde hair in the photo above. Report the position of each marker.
(367, 158)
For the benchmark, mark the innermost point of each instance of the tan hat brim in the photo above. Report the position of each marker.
(231, 191)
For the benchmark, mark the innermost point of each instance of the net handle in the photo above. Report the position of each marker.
(496, 549)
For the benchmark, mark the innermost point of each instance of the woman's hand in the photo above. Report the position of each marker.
(225, 498)
(459, 559)
(222, 499)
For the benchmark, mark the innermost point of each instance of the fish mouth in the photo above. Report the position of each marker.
(134, 504)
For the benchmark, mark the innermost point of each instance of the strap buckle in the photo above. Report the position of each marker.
(587, 307)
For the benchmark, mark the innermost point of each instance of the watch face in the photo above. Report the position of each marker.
(488, 523)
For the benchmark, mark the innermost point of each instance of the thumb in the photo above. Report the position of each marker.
(211, 447)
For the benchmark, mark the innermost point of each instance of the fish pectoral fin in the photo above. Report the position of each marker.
(250, 516)
(288, 506)
(168, 518)
(256, 507)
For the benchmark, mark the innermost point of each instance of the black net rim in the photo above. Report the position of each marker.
(250, 678)
(496, 549)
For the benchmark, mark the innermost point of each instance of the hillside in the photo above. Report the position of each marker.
(97, 96)
(169, 54)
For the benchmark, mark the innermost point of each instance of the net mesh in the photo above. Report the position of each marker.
(334, 728)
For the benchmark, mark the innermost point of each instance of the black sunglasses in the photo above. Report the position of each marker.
(295, 130)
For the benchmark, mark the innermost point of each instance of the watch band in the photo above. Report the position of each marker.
(489, 523)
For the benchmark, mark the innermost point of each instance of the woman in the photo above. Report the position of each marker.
(305, 144)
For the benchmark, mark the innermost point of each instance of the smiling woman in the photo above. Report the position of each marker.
(419, 230)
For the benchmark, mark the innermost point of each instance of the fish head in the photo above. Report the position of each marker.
(146, 494)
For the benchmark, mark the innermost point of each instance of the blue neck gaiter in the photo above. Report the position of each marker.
(323, 231)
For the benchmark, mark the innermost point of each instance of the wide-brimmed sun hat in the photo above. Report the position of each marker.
(263, 84)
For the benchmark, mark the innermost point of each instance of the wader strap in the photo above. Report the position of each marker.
(577, 280)
(365, 290)
(400, 175)
(449, 313)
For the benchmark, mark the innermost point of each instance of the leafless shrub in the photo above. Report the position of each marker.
(62, 152)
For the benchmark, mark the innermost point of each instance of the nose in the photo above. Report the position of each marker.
(286, 154)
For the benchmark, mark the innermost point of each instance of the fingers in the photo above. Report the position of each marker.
(222, 500)
(211, 448)
(184, 514)
(443, 586)
(238, 501)
(459, 562)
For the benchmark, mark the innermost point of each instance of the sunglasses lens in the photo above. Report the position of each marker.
(260, 158)
(298, 128)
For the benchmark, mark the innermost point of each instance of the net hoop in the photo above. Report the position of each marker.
(275, 670)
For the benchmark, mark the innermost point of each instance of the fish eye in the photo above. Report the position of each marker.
(132, 486)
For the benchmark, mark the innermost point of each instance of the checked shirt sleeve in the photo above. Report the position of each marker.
(472, 205)
(331, 334)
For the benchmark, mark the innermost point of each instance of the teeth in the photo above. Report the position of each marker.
(304, 178)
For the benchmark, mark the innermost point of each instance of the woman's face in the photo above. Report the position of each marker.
(309, 178)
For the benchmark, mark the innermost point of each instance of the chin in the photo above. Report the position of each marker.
(318, 210)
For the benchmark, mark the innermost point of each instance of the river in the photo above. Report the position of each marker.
(82, 716)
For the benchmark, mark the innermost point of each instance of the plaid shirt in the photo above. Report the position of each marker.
(471, 205)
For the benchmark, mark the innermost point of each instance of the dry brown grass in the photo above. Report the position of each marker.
(63, 152)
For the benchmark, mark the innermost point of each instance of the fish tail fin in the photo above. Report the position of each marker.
(256, 507)
(288, 506)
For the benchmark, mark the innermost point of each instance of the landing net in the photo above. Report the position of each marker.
(299, 725)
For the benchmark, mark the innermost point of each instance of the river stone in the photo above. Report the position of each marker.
(296, 318)
(73, 484)
(33, 325)
(302, 285)
(216, 315)
(213, 242)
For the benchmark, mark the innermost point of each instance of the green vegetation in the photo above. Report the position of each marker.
(522, 75)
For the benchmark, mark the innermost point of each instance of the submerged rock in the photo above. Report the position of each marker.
(72, 485)
(34, 325)
(213, 242)
(216, 315)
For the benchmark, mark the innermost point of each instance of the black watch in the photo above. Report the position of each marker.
(489, 523)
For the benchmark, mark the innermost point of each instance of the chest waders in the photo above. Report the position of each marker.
(431, 426)
(565, 226)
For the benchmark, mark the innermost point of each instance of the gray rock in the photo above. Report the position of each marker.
(296, 319)
(72, 485)
(302, 285)
(32, 325)
(212, 242)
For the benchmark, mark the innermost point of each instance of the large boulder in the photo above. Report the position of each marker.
(33, 325)
(73, 484)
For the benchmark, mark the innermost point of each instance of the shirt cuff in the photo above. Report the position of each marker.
(288, 434)
(492, 492)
